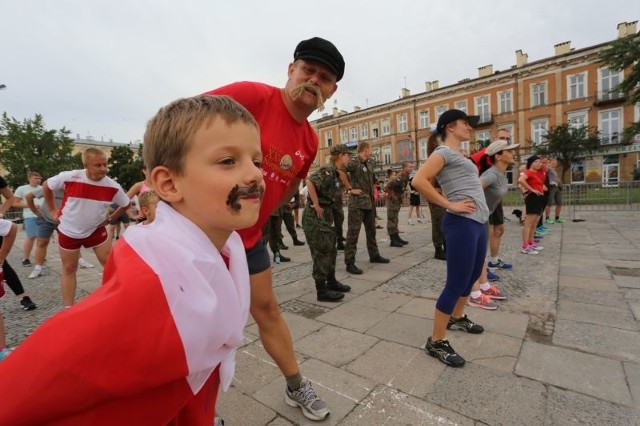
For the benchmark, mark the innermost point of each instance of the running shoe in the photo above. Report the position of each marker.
(494, 293)
(499, 264)
(442, 350)
(464, 324)
(312, 406)
(482, 302)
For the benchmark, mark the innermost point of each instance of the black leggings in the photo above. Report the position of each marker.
(10, 276)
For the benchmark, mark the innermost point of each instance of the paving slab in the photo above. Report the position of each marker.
(586, 269)
(514, 400)
(236, 408)
(299, 326)
(619, 316)
(629, 282)
(573, 370)
(635, 308)
(566, 407)
(595, 297)
(353, 316)
(405, 329)
(489, 349)
(382, 300)
(255, 368)
(396, 365)
(419, 307)
(386, 406)
(334, 345)
(588, 283)
(633, 378)
(500, 321)
(342, 391)
(610, 342)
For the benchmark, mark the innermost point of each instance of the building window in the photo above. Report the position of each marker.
(607, 83)
(539, 131)
(364, 131)
(577, 119)
(344, 136)
(610, 126)
(386, 127)
(464, 145)
(375, 155)
(422, 142)
(538, 94)
(423, 116)
(506, 104)
(483, 108)
(483, 139)
(461, 105)
(386, 154)
(374, 129)
(354, 133)
(328, 138)
(577, 86)
(577, 172)
(402, 123)
(440, 110)
(611, 170)
(508, 128)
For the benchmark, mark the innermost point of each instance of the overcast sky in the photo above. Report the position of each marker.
(103, 68)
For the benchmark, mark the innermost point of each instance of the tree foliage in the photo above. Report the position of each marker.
(125, 167)
(28, 146)
(567, 144)
(623, 54)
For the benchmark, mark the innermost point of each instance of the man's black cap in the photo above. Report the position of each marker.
(323, 51)
(452, 115)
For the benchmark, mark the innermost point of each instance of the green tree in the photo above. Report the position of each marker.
(623, 54)
(567, 144)
(28, 146)
(124, 166)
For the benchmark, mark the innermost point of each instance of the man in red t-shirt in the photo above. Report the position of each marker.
(289, 146)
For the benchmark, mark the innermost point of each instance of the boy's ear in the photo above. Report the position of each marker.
(164, 184)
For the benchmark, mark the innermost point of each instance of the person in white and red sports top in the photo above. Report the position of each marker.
(83, 214)
(289, 147)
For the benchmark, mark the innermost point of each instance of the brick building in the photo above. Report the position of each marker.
(528, 99)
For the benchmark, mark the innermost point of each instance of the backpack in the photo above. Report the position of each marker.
(481, 160)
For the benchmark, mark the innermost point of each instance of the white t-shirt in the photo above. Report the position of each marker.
(21, 193)
(86, 202)
(5, 227)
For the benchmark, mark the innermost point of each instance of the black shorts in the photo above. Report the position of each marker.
(414, 199)
(258, 258)
(123, 218)
(497, 217)
(535, 203)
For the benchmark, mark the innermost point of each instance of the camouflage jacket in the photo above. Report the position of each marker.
(327, 183)
(361, 176)
(397, 185)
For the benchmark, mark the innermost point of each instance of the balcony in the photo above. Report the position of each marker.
(485, 119)
(609, 138)
(605, 97)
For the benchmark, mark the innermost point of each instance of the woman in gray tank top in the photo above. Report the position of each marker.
(463, 226)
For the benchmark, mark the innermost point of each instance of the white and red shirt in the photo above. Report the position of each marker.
(86, 202)
(288, 146)
(148, 346)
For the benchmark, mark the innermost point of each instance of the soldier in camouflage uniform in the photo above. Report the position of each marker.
(317, 223)
(338, 217)
(359, 183)
(395, 191)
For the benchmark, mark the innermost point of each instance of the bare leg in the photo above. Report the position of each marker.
(495, 236)
(274, 332)
(27, 247)
(102, 251)
(68, 281)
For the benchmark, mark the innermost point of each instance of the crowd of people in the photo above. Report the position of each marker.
(223, 171)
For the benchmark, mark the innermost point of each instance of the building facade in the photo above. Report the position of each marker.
(528, 99)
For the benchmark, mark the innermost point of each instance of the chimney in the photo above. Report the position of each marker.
(626, 29)
(356, 108)
(485, 71)
(435, 84)
(336, 111)
(562, 48)
(521, 58)
(405, 93)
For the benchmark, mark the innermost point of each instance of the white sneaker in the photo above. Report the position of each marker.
(411, 222)
(84, 264)
(35, 273)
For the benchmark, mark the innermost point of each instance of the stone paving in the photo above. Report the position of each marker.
(564, 348)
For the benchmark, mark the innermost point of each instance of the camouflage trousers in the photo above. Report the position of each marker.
(393, 210)
(437, 235)
(338, 220)
(321, 239)
(356, 218)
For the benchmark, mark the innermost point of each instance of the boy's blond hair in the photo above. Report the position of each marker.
(170, 132)
(147, 198)
(92, 152)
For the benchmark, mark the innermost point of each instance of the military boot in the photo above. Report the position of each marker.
(395, 242)
(334, 284)
(297, 242)
(340, 245)
(401, 240)
(278, 257)
(440, 254)
(325, 295)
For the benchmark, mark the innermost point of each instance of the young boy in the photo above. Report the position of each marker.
(153, 344)
(8, 231)
(148, 202)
